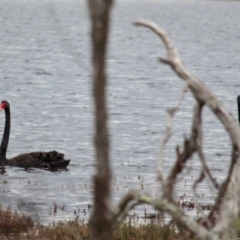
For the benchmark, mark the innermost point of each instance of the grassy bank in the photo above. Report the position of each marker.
(14, 225)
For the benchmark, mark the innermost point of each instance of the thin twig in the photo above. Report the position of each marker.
(169, 118)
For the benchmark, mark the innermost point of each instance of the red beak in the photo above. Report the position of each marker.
(2, 106)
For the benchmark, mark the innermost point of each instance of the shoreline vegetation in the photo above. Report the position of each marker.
(21, 226)
(17, 225)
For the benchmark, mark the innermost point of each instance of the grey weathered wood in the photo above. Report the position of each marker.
(101, 221)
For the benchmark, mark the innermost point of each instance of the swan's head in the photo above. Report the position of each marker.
(4, 104)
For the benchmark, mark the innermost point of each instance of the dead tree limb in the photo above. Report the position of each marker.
(170, 114)
(189, 148)
(134, 198)
(199, 90)
(228, 200)
(101, 221)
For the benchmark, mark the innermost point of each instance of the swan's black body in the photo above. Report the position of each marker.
(238, 103)
(52, 159)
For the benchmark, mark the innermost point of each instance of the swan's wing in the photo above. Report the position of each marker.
(51, 159)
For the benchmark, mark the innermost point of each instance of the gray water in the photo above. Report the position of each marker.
(45, 74)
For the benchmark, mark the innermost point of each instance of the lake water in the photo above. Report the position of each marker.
(45, 74)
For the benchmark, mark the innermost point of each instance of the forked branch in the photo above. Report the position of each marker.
(199, 90)
(228, 207)
(170, 114)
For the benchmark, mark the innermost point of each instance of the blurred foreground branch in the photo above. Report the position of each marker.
(219, 224)
(101, 221)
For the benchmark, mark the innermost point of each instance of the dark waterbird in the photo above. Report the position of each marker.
(50, 160)
(238, 103)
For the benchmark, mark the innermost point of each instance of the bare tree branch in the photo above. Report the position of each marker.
(169, 117)
(135, 198)
(206, 169)
(127, 203)
(190, 146)
(228, 201)
(228, 210)
(223, 189)
(101, 222)
(199, 90)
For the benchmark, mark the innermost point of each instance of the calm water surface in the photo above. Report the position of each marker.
(46, 76)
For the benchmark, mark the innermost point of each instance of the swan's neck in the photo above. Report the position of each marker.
(239, 112)
(6, 133)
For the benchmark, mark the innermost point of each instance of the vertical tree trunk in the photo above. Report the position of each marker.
(101, 221)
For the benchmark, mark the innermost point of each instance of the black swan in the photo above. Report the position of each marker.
(238, 102)
(48, 160)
